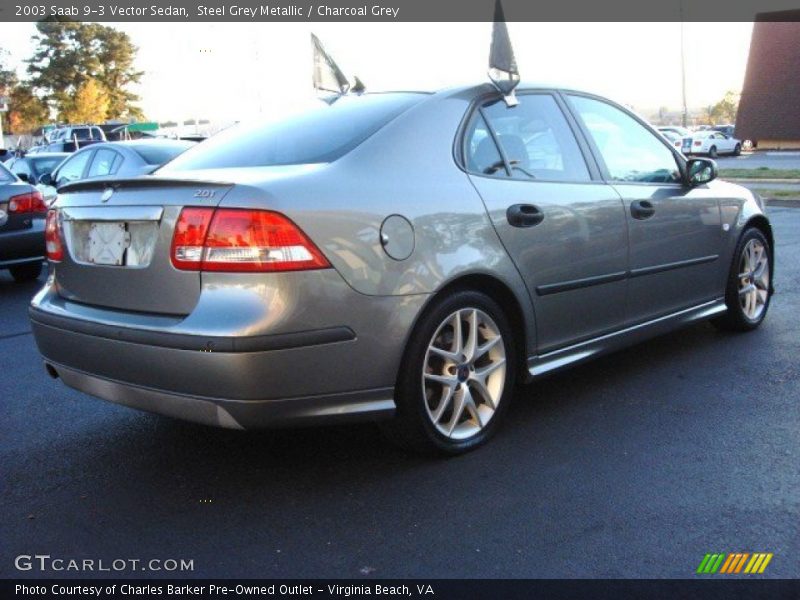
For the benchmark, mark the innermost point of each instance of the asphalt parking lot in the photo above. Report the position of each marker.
(635, 465)
(758, 160)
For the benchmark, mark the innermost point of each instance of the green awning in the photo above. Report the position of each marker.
(138, 127)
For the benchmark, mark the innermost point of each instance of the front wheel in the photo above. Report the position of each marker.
(749, 286)
(737, 151)
(457, 376)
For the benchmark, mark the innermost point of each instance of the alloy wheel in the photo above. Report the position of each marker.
(753, 279)
(464, 373)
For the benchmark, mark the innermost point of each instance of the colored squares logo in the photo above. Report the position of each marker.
(734, 563)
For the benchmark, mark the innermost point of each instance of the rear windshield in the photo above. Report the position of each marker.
(320, 135)
(158, 154)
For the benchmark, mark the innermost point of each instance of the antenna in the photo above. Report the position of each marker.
(503, 70)
(327, 76)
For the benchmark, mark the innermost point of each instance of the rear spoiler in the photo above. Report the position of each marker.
(145, 181)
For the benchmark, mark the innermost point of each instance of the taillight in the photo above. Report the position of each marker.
(230, 239)
(29, 202)
(52, 237)
(190, 235)
(698, 143)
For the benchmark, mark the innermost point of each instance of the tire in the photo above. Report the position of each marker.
(438, 376)
(712, 152)
(747, 309)
(26, 272)
(737, 151)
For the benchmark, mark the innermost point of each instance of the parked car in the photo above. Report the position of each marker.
(120, 159)
(71, 138)
(726, 130)
(402, 256)
(714, 143)
(672, 137)
(31, 167)
(675, 129)
(22, 220)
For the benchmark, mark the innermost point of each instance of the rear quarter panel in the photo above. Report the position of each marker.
(406, 169)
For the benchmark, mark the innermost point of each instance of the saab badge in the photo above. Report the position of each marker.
(107, 194)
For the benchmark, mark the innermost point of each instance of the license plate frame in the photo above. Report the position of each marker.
(108, 242)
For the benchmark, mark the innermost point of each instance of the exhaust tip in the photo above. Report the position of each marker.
(51, 370)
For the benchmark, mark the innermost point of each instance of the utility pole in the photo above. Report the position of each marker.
(685, 118)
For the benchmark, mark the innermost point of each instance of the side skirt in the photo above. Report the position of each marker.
(557, 359)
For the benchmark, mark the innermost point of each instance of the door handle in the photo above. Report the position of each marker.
(642, 209)
(524, 215)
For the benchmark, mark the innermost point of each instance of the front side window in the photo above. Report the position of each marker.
(102, 163)
(72, 170)
(535, 137)
(630, 151)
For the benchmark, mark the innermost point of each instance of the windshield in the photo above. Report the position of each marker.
(46, 164)
(320, 135)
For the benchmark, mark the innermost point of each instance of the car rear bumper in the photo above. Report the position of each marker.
(234, 414)
(336, 359)
(22, 246)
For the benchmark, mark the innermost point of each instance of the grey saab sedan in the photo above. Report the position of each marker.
(400, 257)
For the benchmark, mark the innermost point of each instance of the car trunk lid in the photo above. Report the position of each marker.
(118, 235)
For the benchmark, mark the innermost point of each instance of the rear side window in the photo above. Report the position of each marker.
(103, 163)
(535, 138)
(320, 135)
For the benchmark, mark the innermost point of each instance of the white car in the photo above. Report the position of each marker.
(714, 143)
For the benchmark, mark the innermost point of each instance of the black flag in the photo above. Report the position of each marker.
(502, 65)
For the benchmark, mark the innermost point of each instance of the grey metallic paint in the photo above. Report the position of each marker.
(409, 168)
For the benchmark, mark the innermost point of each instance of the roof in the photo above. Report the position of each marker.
(770, 104)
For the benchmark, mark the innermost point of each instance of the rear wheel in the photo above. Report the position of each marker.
(749, 284)
(712, 152)
(457, 376)
(27, 272)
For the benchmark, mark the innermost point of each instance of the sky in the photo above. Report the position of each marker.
(237, 71)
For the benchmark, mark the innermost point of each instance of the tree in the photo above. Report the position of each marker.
(70, 53)
(117, 55)
(725, 110)
(26, 112)
(8, 77)
(89, 104)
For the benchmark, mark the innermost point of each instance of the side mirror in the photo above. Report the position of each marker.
(701, 170)
(24, 177)
(46, 179)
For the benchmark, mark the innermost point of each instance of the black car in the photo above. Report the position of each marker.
(22, 223)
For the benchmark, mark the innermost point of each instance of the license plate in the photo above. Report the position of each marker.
(107, 243)
(687, 146)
